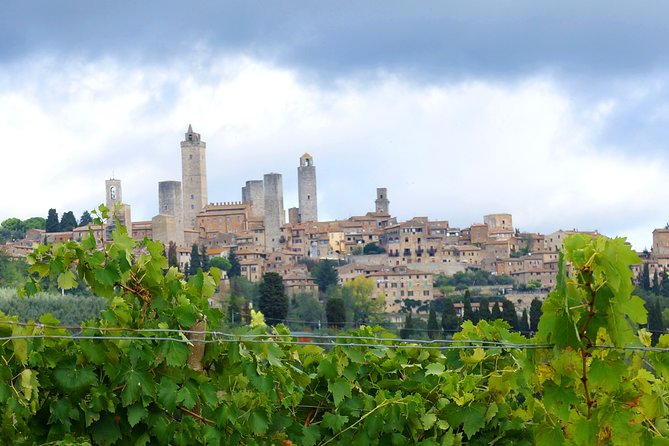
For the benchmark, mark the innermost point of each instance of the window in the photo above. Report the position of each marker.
(409, 293)
(190, 157)
(426, 292)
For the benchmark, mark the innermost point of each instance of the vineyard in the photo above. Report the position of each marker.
(156, 368)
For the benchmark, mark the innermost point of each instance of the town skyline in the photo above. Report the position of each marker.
(554, 113)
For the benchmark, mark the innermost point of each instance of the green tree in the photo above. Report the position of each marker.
(67, 222)
(219, 262)
(52, 224)
(335, 312)
(496, 312)
(407, 332)
(645, 277)
(325, 275)
(432, 324)
(655, 322)
(372, 248)
(656, 283)
(535, 314)
(272, 299)
(484, 309)
(450, 322)
(305, 309)
(664, 285)
(14, 224)
(85, 219)
(361, 306)
(467, 311)
(172, 259)
(523, 323)
(13, 272)
(204, 258)
(235, 268)
(509, 313)
(194, 259)
(34, 223)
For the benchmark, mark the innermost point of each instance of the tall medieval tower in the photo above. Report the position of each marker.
(194, 176)
(274, 216)
(382, 202)
(306, 186)
(113, 193)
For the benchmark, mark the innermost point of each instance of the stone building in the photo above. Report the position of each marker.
(253, 193)
(118, 210)
(306, 185)
(170, 203)
(274, 217)
(225, 217)
(194, 176)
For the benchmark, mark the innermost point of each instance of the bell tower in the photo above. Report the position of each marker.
(306, 186)
(193, 175)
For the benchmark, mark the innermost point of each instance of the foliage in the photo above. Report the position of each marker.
(67, 222)
(535, 314)
(509, 313)
(467, 311)
(15, 229)
(476, 277)
(372, 248)
(85, 219)
(484, 310)
(12, 271)
(235, 268)
(305, 309)
(432, 324)
(523, 323)
(496, 312)
(361, 306)
(450, 322)
(407, 332)
(52, 224)
(120, 384)
(194, 263)
(325, 275)
(69, 309)
(335, 312)
(172, 259)
(204, 259)
(272, 301)
(221, 263)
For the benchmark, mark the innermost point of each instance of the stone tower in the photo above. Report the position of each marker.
(274, 212)
(194, 176)
(306, 186)
(113, 193)
(170, 203)
(254, 194)
(117, 209)
(382, 200)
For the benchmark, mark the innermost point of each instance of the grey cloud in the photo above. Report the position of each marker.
(428, 39)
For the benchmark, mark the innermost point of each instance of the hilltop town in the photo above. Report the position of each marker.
(401, 257)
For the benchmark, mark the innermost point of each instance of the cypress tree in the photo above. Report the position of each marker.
(535, 315)
(68, 222)
(204, 259)
(656, 283)
(496, 312)
(509, 313)
(523, 324)
(194, 259)
(484, 309)
(432, 325)
(645, 277)
(467, 312)
(335, 312)
(172, 255)
(449, 319)
(407, 331)
(52, 224)
(85, 219)
(235, 268)
(273, 302)
(664, 285)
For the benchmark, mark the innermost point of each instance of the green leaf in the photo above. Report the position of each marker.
(428, 420)
(187, 397)
(340, 389)
(474, 420)
(137, 383)
(167, 393)
(258, 421)
(106, 431)
(177, 354)
(136, 413)
(67, 280)
(310, 435)
(334, 421)
(435, 368)
(72, 379)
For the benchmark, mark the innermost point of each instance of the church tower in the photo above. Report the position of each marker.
(113, 194)
(194, 176)
(306, 186)
(382, 201)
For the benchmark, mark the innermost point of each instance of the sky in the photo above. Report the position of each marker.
(556, 112)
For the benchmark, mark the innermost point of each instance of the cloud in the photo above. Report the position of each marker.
(446, 150)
